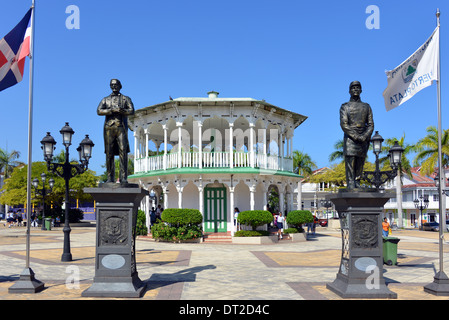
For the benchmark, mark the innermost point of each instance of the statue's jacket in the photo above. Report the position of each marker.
(356, 121)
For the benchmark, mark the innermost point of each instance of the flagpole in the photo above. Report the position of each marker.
(27, 282)
(440, 284)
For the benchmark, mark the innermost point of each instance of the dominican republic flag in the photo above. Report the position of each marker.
(14, 48)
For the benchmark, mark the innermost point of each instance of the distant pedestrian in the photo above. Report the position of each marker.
(159, 212)
(280, 224)
(236, 215)
(152, 216)
(385, 227)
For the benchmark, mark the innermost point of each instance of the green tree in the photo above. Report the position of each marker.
(302, 163)
(14, 191)
(427, 149)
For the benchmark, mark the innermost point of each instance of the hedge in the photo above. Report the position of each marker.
(297, 218)
(178, 225)
(255, 218)
(181, 217)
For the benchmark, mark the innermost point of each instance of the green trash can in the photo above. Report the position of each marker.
(390, 248)
(48, 223)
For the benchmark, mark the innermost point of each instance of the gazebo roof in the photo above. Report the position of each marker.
(213, 100)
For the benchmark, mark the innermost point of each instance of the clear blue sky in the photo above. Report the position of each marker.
(298, 55)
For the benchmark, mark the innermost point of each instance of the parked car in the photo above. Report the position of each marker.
(430, 226)
(447, 225)
(322, 222)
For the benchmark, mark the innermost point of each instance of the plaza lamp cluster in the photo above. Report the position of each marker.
(43, 192)
(67, 171)
(377, 178)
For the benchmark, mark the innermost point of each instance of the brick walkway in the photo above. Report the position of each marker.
(292, 271)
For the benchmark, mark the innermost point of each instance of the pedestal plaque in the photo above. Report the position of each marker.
(360, 272)
(115, 259)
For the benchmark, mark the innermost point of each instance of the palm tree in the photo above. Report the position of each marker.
(8, 160)
(338, 153)
(427, 149)
(302, 163)
(404, 166)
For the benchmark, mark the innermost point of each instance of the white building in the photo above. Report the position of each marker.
(412, 188)
(215, 154)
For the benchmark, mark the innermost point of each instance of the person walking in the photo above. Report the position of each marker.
(385, 227)
(280, 224)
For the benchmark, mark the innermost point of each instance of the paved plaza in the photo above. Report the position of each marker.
(210, 271)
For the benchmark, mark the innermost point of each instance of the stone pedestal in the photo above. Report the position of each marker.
(115, 259)
(361, 269)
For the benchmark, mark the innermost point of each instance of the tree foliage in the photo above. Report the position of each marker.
(14, 192)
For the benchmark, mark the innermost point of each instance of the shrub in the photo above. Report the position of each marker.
(291, 230)
(182, 217)
(297, 218)
(141, 228)
(178, 225)
(251, 233)
(255, 218)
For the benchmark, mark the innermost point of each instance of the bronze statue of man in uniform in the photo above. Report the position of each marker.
(356, 121)
(116, 107)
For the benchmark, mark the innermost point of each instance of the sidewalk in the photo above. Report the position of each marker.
(292, 271)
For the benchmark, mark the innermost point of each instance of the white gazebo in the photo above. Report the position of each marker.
(215, 154)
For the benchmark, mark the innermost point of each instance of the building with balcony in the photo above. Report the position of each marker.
(215, 154)
(413, 188)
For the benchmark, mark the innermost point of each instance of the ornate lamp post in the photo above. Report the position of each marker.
(421, 203)
(43, 192)
(377, 177)
(67, 171)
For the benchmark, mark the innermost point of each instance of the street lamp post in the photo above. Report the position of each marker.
(43, 192)
(67, 171)
(327, 204)
(377, 177)
(421, 203)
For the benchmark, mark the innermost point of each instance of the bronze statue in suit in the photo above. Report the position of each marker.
(356, 121)
(116, 108)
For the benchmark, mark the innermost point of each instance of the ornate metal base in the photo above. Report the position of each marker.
(439, 286)
(115, 260)
(360, 273)
(27, 283)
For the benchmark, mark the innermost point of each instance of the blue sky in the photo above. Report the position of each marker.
(298, 55)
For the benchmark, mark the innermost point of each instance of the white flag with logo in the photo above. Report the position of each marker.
(414, 74)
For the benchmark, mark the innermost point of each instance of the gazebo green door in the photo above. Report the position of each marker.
(215, 210)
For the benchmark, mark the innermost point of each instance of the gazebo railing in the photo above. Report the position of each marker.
(220, 159)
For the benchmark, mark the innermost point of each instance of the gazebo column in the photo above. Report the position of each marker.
(200, 145)
(179, 125)
(165, 147)
(231, 209)
(281, 151)
(166, 192)
(281, 201)
(265, 157)
(137, 168)
(251, 144)
(147, 158)
(252, 191)
(231, 147)
(299, 196)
